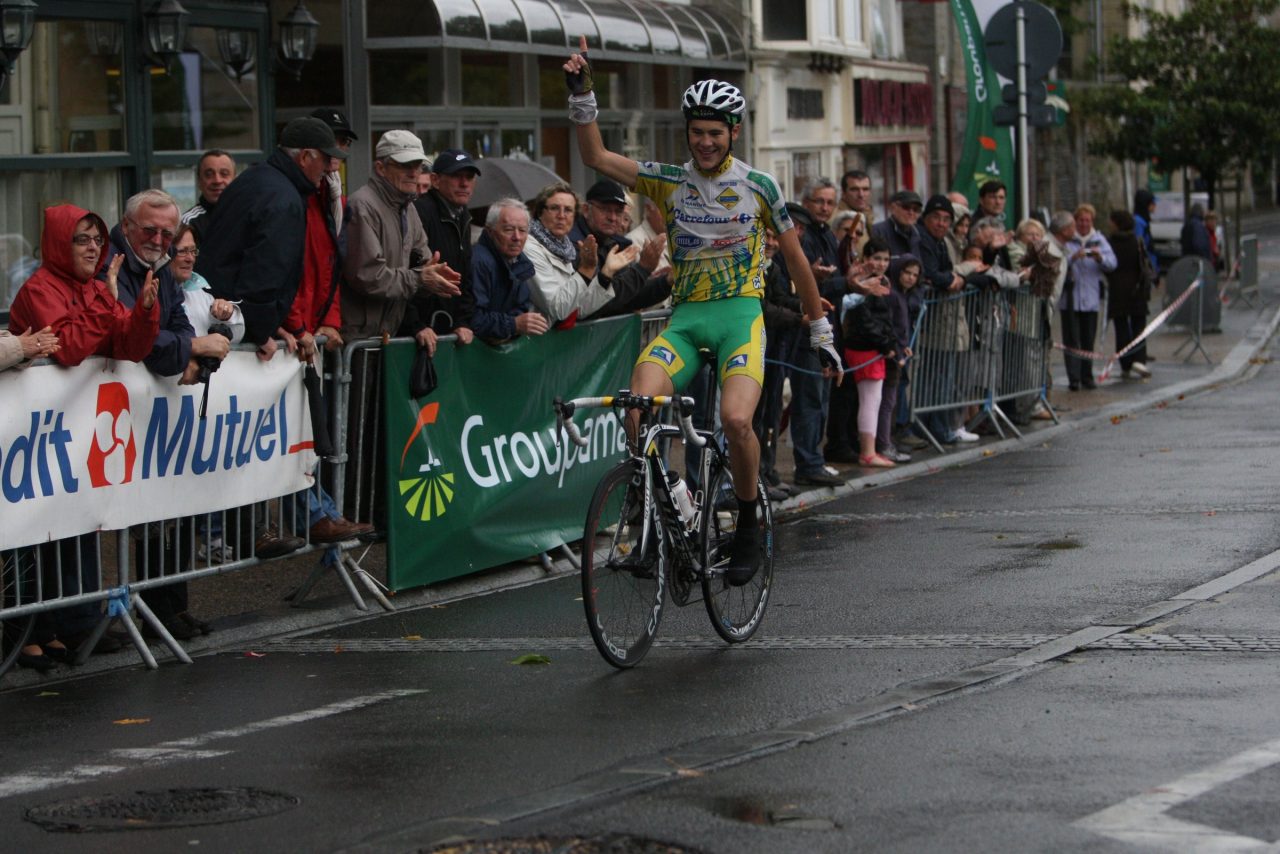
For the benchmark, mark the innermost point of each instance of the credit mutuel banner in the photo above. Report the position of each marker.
(476, 474)
(108, 444)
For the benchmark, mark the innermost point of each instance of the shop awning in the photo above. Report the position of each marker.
(641, 29)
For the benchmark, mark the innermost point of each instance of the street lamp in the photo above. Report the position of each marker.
(165, 28)
(104, 37)
(235, 47)
(298, 31)
(17, 24)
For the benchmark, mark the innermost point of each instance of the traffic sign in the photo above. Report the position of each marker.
(1044, 40)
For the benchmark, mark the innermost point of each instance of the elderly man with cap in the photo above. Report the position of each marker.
(898, 230)
(342, 132)
(447, 222)
(253, 249)
(388, 258)
(635, 286)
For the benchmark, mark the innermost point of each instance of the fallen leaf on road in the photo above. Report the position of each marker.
(1116, 419)
(988, 453)
(413, 637)
(1164, 404)
(688, 772)
(1165, 450)
(1212, 513)
(251, 654)
(531, 658)
(1182, 397)
(132, 721)
(1001, 537)
(47, 694)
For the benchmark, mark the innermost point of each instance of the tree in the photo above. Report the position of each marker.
(1198, 90)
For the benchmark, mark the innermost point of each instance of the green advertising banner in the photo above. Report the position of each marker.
(988, 150)
(474, 475)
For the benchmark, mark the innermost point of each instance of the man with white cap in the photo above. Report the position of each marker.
(388, 260)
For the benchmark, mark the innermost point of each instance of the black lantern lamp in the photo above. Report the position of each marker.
(17, 24)
(298, 31)
(104, 37)
(235, 47)
(165, 27)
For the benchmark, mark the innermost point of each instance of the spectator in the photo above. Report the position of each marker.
(64, 297)
(810, 391)
(503, 274)
(1211, 226)
(992, 196)
(143, 238)
(842, 225)
(988, 234)
(869, 344)
(849, 249)
(201, 308)
(388, 258)
(1089, 259)
(19, 350)
(946, 333)
(1195, 235)
(344, 136)
(855, 195)
(651, 226)
(635, 286)
(1144, 208)
(904, 306)
(1130, 284)
(447, 223)
(898, 231)
(565, 286)
(252, 251)
(215, 170)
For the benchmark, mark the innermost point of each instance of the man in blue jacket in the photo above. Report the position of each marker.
(500, 275)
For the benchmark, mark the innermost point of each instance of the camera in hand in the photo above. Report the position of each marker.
(208, 364)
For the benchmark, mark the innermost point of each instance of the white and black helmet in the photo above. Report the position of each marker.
(715, 100)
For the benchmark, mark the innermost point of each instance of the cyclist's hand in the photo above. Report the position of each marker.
(577, 71)
(823, 342)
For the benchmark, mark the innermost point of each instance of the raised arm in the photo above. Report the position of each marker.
(582, 109)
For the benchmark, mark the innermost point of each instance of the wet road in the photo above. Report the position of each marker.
(907, 692)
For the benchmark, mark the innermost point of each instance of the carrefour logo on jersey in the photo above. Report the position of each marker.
(711, 219)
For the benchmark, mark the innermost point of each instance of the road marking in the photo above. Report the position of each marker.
(1144, 819)
(181, 750)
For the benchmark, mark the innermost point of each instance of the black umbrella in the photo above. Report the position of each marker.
(502, 177)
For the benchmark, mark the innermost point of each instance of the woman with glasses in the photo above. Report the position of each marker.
(201, 307)
(565, 283)
(85, 314)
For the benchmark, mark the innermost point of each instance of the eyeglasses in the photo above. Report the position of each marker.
(86, 239)
(152, 230)
(188, 250)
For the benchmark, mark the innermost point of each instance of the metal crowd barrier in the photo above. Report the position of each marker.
(978, 348)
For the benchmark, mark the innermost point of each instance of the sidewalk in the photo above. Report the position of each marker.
(248, 606)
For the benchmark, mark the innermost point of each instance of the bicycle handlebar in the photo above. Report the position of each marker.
(625, 400)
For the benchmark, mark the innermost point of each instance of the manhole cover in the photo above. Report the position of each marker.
(160, 809)
(611, 844)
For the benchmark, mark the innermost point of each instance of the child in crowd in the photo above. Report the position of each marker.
(869, 344)
(904, 274)
(971, 263)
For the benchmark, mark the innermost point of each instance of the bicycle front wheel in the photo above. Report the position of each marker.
(735, 612)
(623, 579)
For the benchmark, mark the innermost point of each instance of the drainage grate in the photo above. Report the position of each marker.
(612, 844)
(320, 645)
(1189, 643)
(161, 808)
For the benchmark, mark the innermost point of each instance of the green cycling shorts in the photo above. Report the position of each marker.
(732, 329)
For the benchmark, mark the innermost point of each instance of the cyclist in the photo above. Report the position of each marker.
(716, 210)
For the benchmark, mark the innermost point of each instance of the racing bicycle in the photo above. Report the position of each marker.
(645, 541)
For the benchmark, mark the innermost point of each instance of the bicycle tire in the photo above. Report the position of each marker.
(623, 599)
(735, 612)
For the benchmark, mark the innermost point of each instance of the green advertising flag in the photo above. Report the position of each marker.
(475, 474)
(988, 150)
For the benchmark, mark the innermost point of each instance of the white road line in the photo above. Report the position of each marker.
(169, 752)
(1144, 819)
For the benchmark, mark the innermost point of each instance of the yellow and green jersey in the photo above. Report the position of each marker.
(715, 226)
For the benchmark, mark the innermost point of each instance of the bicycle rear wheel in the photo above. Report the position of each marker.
(735, 612)
(623, 588)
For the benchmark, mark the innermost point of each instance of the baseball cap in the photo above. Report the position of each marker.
(940, 203)
(906, 197)
(800, 214)
(453, 160)
(310, 132)
(336, 121)
(605, 190)
(402, 146)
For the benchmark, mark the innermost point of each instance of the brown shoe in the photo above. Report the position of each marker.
(273, 544)
(338, 530)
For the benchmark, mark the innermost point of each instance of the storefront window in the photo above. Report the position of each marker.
(784, 20)
(77, 97)
(200, 104)
(405, 78)
(26, 195)
(399, 18)
(492, 79)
